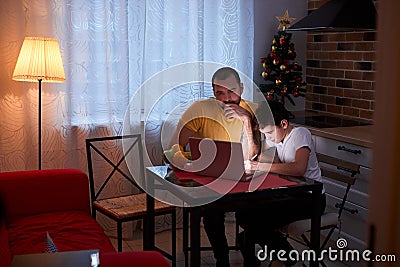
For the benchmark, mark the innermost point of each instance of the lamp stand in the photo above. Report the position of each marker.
(40, 125)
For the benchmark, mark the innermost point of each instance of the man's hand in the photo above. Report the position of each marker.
(236, 111)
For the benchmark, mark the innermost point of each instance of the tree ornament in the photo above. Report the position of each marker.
(284, 21)
(282, 67)
(273, 41)
(264, 74)
(282, 41)
(296, 93)
(273, 48)
(264, 65)
(276, 61)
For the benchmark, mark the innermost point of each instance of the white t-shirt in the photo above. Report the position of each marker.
(299, 137)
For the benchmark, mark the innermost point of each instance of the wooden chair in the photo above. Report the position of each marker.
(130, 203)
(339, 172)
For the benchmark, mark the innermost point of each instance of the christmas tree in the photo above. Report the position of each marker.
(282, 73)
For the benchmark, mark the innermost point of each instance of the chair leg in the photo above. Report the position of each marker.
(327, 238)
(237, 235)
(173, 238)
(185, 237)
(119, 235)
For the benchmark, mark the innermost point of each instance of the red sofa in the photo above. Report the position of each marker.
(58, 202)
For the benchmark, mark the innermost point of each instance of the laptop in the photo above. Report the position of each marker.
(82, 258)
(219, 159)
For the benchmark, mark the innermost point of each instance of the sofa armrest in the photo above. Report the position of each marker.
(26, 193)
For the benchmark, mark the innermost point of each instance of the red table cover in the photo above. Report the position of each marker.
(223, 186)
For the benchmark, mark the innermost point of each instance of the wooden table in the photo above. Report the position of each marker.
(160, 178)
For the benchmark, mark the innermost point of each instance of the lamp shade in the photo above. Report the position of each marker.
(39, 59)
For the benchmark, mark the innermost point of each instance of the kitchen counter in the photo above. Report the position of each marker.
(358, 135)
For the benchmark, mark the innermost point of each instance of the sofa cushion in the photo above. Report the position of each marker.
(5, 255)
(73, 230)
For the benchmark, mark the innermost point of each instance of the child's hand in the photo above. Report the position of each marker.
(250, 165)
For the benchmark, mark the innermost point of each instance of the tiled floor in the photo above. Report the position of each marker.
(163, 240)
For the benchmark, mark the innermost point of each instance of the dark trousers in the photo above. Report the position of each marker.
(261, 223)
(214, 225)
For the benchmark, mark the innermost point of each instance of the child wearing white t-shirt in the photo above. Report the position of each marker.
(295, 157)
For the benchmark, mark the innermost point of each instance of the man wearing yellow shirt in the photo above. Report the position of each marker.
(226, 117)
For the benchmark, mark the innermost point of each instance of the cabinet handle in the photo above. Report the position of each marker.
(348, 170)
(354, 151)
(352, 211)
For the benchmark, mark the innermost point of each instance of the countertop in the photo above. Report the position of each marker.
(358, 135)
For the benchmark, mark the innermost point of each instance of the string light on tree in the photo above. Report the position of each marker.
(283, 75)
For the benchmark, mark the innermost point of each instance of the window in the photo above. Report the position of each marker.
(111, 48)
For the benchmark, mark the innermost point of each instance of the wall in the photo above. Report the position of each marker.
(384, 211)
(266, 26)
(341, 72)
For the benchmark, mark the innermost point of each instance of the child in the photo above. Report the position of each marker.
(295, 157)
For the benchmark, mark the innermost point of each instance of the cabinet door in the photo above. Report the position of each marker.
(345, 151)
(353, 227)
(358, 193)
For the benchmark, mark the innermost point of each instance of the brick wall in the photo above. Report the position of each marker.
(341, 71)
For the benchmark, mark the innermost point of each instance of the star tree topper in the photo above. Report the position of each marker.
(284, 20)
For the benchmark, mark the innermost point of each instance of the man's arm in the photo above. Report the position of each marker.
(181, 136)
(252, 136)
(250, 132)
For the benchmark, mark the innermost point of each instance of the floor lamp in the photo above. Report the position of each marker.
(39, 61)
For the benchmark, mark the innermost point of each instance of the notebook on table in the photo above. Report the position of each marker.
(219, 159)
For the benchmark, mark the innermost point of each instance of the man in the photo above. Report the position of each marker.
(226, 117)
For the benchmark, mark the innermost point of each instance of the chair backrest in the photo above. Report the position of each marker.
(340, 171)
(109, 173)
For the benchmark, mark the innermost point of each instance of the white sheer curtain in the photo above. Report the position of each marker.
(109, 49)
(112, 47)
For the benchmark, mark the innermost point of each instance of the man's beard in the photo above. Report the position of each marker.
(233, 102)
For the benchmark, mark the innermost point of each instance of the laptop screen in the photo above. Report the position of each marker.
(216, 158)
